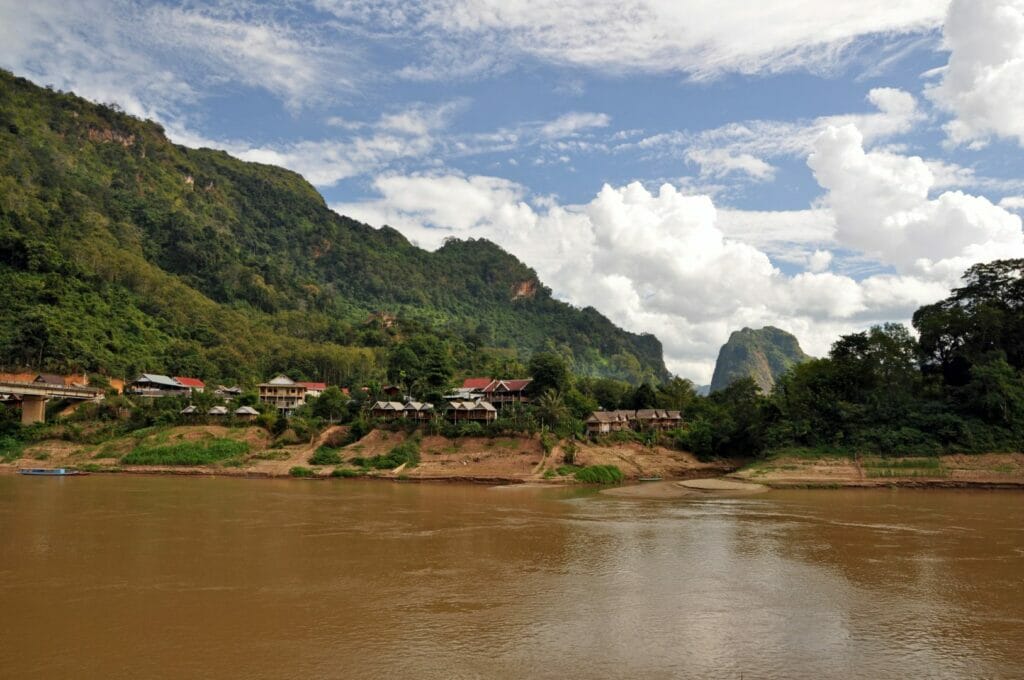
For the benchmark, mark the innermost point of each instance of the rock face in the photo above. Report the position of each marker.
(762, 354)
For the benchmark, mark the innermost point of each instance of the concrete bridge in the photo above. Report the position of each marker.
(34, 395)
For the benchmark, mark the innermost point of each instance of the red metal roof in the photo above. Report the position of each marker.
(314, 385)
(476, 383)
(190, 382)
(517, 385)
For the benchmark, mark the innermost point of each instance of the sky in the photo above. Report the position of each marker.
(687, 168)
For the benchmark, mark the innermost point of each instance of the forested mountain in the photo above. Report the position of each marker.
(763, 354)
(120, 251)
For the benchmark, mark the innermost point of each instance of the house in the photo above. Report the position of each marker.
(65, 380)
(156, 385)
(246, 413)
(388, 410)
(189, 410)
(603, 422)
(228, 392)
(313, 389)
(193, 384)
(504, 392)
(286, 394)
(479, 411)
(417, 410)
(217, 411)
(391, 391)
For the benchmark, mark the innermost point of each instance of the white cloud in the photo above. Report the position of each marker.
(896, 112)
(882, 209)
(658, 262)
(690, 36)
(720, 162)
(570, 123)
(981, 86)
(1012, 203)
(153, 60)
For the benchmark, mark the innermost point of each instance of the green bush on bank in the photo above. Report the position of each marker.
(407, 453)
(187, 453)
(300, 471)
(600, 474)
(325, 455)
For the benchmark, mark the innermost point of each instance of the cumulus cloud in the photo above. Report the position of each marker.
(981, 85)
(882, 208)
(689, 36)
(657, 261)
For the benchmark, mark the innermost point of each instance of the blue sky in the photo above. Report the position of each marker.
(688, 168)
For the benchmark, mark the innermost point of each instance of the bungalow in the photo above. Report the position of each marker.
(193, 384)
(388, 410)
(504, 392)
(418, 410)
(246, 413)
(479, 411)
(603, 422)
(217, 411)
(286, 394)
(228, 392)
(156, 385)
(189, 410)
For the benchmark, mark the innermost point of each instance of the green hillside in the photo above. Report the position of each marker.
(763, 354)
(120, 251)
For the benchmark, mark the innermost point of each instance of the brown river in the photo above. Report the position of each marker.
(162, 577)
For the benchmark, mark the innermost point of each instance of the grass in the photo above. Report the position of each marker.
(407, 453)
(204, 452)
(600, 474)
(506, 444)
(886, 473)
(566, 470)
(271, 454)
(325, 455)
(10, 449)
(549, 474)
(346, 473)
(302, 472)
(903, 463)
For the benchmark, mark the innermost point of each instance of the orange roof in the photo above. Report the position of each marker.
(314, 385)
(190, 382)
(476, 383)
(517, 385)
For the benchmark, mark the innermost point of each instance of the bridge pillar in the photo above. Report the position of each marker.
(33, 409)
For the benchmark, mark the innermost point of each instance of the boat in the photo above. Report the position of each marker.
(50, 472)
(649, 479)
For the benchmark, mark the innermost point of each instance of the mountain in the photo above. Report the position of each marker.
(762, 354)
(121, 252)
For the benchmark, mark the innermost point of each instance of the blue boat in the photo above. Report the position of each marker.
(50, 472)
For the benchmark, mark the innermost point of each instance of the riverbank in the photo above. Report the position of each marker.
(501, 460)
(981, 471)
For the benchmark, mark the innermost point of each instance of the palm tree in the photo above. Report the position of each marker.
(551, 408)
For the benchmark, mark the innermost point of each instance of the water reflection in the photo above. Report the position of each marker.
(168, 578)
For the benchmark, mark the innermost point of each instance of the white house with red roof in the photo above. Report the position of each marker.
(193, 384)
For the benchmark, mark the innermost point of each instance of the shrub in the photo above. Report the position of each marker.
(346, 472)
(10, 449)
(325, 455)
(600, 474)
(299, 471)
(187, 453)
(408, 453)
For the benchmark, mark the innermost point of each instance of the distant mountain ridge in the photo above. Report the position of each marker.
(763, 354)
(122, 252)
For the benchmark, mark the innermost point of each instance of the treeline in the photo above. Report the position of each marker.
(957, 387)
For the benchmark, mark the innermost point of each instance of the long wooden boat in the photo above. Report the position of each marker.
(649, 479)
(51, 472)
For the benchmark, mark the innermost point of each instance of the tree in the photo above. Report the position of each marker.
(643, 397)
(549, 372)
(551, 409)
(331, 405)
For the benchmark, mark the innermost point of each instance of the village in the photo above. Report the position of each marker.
(477, 400)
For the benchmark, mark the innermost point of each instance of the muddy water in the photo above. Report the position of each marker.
(145, 577)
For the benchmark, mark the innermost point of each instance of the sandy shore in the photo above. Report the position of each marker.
(691, 488)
